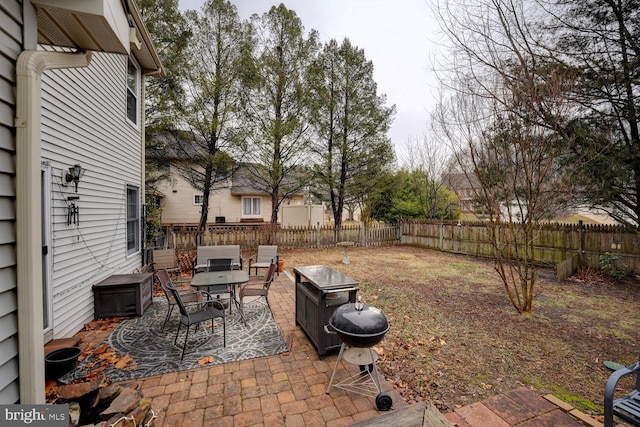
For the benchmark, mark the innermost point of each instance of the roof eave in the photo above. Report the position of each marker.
(98, 26)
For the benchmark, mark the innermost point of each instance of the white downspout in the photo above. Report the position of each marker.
(30, 67)
(143, 180)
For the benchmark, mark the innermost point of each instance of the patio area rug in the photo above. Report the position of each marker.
(153, 352)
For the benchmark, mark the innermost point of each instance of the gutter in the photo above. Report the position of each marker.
(134, 14)
(30, 66)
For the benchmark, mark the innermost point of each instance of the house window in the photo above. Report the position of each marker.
(251, 206)
(133, 219)
(133, 91)
(197, 199)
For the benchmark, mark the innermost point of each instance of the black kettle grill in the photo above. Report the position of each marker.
(359, 327)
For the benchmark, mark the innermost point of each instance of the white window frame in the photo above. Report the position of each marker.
(133, 218)
(134, 92)
(195, 199)
(255, 207)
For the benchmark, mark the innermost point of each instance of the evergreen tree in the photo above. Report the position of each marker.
(598, 41)
(169, 33)
(210, 139)
(351, 120)
(276, 104)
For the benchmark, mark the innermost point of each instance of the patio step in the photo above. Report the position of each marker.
(60, 343)
(415, 415)
(517, 407)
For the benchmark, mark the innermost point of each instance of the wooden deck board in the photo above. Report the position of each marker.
(416, 415)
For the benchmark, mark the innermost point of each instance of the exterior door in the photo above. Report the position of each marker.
(47, 298)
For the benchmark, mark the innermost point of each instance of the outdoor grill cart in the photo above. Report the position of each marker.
(320, 290)
(360, 326)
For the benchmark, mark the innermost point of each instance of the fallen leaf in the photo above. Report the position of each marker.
(101, 349)
(124, 360)
(205, 360)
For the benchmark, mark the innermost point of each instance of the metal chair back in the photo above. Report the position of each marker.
(211, 310)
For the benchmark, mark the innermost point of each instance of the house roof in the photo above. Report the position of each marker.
(163, 147)
(459, 180)
(177, 145)
(241, 185)
(112, 26)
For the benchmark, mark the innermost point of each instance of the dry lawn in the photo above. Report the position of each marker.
(456, 339)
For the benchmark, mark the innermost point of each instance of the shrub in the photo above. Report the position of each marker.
(612, 266)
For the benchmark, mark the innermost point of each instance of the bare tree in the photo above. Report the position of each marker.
(426, 159)
(505, 119)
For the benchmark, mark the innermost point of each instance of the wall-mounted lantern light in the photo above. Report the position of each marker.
(75, 173)
(616, 245)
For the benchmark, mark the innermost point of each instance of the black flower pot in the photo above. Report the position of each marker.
(59, 362)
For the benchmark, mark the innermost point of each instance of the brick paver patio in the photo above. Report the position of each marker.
(290, 389)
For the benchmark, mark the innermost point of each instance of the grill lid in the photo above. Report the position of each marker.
(359, 320)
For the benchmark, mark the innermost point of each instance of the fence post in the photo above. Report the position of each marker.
(363, 235)
(581, 260)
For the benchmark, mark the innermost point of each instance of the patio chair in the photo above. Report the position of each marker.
(262, 290)
(266, 255)
(627, 407)
(218, 251)
(224, 292)
(166, 259)
(189, 296)
(209, 310)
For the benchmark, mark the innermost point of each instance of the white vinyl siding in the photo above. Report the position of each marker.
(178, 206)
(84, 121)
(11, 44)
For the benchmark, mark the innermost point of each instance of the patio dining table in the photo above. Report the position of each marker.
(221, 281)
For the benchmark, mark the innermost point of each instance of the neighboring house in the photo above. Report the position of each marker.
(235, 201)
(463, 188)
(71, 93)
(467, 188)
(459, 183)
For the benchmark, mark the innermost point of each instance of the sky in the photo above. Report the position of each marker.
(397, 36)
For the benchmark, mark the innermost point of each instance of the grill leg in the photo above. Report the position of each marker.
(375, 369)
(335, 368)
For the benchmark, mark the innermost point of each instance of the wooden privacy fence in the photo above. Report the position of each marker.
(286, 238)
(564, 245)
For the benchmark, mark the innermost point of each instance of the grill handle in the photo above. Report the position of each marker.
(334, 291)
(326, 329)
